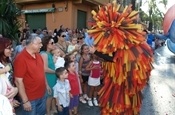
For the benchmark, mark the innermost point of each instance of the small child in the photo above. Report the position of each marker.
(6, 86)
(94, 79)
(61, 91)
(71, 57)
(75, 90)
(73, 47)
(58, 60)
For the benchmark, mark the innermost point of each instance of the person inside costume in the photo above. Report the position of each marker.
(121, 42)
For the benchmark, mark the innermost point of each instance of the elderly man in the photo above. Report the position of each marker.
(30, 77)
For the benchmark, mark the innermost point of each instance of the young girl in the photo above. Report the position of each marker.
(75, 90)
(61, 91)
(84, 74)
(94, 79)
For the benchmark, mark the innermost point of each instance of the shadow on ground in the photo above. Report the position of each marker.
(158, 99)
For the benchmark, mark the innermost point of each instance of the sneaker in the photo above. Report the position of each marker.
(90, 103)
(95, 102)
(82, 100)
(85, 97)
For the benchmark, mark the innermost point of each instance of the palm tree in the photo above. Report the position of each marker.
(155, 16)
(9, 25)
(127, 2)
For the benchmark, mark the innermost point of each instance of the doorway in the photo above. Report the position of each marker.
(81, 19)
(37, 20)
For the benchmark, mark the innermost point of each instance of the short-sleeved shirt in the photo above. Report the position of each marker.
(61, 92)
(73, 80)
(32, 71)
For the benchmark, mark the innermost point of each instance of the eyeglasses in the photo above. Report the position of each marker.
(63, 36)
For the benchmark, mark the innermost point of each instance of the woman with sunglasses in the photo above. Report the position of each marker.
(49, 67)
(6, 71)
(61, 43)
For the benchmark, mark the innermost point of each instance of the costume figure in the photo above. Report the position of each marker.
(127, 56)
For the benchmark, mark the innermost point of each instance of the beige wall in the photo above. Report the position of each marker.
(54, 20)
(67, 18)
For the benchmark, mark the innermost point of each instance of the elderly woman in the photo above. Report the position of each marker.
(48, 46)
(6, 69)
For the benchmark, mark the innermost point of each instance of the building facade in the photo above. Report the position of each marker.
(53, 13)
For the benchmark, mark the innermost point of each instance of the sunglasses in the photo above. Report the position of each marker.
(80, 38)
(63, 36)
(51, 43)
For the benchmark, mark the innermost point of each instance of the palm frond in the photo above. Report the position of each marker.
(9, 24)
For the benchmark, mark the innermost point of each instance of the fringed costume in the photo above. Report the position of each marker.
(128, 64)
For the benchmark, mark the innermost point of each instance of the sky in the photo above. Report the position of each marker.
(144, 7)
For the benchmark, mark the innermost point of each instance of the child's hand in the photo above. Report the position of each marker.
(15, 103)
(60, 108)
(76, 47)
(7, 68)
(71, 96)
(92, 49)
(12, 93)
(49, 91)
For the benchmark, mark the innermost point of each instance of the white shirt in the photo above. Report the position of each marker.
(5, 106)
(61, 92)
(59, 62)
(70, 48)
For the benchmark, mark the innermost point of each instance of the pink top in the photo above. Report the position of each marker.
(95, 72)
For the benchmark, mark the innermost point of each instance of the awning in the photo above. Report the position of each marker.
(38, 10)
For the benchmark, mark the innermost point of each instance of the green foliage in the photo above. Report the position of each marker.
(9, 25)
(155, 16)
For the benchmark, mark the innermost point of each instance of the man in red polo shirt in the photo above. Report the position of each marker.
(30, 77)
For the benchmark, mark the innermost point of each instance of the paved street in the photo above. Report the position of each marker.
(158, 99)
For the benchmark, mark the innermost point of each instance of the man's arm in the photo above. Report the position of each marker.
(25, 101)
(19, 83)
